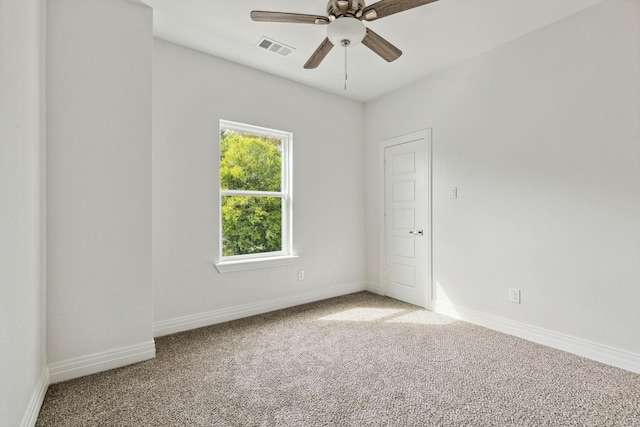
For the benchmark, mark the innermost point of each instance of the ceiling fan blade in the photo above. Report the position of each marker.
(293, 18)
(389, 7)
(319, 55)
(381, 46)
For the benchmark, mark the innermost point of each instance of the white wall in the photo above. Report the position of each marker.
(22, 333)
(99, 308)
(192, 91)
(542, 138)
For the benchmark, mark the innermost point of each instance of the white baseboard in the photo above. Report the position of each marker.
(31, 415)
(193, 321)
(374, 287)
(99, 362)
(581, 347)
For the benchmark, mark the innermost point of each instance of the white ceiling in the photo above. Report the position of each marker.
(432, 37)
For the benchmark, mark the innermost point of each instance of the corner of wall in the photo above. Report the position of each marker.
(103, 361)
(373, 287)
(37, 398)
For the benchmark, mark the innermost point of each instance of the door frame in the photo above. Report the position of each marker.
(382, 244)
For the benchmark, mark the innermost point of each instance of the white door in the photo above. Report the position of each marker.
(407, 258)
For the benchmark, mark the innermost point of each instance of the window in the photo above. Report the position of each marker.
(255, 193)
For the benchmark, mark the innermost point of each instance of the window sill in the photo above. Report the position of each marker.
(252, 264)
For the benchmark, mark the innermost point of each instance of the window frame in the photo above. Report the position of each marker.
(264, 259)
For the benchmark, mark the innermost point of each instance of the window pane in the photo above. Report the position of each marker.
(250, 162)
(251, 225)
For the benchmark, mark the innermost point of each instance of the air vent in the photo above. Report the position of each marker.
(274, 46)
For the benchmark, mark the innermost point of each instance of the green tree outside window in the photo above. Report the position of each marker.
(251, 223)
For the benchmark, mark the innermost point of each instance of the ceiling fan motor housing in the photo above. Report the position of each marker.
(340, 8)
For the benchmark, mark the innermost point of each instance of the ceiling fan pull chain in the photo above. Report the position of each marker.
(345, 67)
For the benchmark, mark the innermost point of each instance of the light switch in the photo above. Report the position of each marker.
(453, 193)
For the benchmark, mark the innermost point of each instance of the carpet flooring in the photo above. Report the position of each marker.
(357, 360)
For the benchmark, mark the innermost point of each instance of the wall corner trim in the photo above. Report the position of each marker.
(37, 398)
(103, 361)
(373, 287)
(591, 350)
(193, 321)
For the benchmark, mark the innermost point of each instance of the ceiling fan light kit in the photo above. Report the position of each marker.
(346, 31)
(345, 25)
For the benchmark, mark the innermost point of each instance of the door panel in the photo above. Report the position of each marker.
(404, 191)
(403, 163)
(405, 198)
(403, 218)
(404, 246)
(404, 275)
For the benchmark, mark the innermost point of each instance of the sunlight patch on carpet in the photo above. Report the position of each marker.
(363, 314)
(422, 317)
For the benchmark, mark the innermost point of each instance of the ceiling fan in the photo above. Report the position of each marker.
(345, 25)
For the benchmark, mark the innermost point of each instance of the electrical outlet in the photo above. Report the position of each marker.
(514, 295)
(300, 274)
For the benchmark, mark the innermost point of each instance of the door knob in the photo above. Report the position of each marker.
(417, 232)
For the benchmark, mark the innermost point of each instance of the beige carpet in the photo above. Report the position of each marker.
(358, 360)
